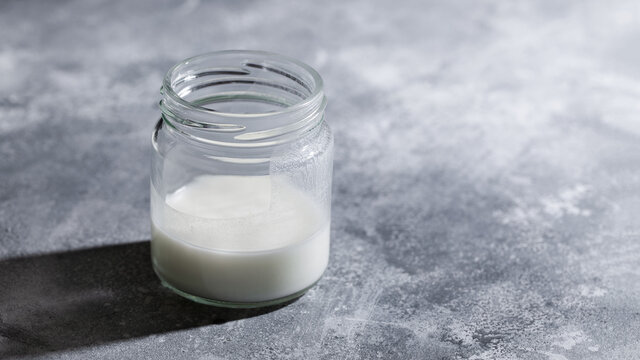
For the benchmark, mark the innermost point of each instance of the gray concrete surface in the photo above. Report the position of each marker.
(486, 191)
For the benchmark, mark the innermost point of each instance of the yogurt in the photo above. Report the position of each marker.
(239, 239)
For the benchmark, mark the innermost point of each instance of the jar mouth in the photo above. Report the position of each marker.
(261, 60)
(242, 98)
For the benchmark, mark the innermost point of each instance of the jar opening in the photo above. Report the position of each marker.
(242, 96)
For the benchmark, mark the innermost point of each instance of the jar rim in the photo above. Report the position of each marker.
(316, 93)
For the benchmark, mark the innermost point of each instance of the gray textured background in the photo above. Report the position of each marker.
(486, 189)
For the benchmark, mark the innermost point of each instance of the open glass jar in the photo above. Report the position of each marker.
(241, 179)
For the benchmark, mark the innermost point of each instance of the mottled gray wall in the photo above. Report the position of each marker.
(485, 195)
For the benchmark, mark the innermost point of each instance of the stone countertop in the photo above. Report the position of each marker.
(486, 188)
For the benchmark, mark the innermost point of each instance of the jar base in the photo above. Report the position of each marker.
(233, 304)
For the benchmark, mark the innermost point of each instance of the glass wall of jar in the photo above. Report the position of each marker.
(241, 179)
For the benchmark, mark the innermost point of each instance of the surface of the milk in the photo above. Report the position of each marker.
(239, 238)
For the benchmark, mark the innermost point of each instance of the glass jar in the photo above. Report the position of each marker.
(241, 179)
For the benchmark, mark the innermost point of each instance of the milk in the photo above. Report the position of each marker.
(238, 238)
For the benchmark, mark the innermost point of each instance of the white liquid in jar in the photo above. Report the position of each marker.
(239, 238)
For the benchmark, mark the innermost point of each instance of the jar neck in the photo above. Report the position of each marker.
(242, 99)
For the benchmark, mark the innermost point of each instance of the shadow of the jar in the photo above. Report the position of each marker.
(85, 297)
